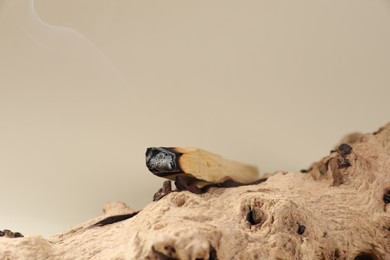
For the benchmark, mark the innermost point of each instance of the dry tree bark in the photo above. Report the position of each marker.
(338, 209)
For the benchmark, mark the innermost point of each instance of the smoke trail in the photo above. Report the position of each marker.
(59, 38)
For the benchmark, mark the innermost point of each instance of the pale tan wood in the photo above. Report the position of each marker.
(214, 168)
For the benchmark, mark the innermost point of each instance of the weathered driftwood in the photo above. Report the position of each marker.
(338, 209)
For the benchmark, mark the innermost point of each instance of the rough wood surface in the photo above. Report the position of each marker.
(339, 209)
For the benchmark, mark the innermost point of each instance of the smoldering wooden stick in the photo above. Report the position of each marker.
(169, 162)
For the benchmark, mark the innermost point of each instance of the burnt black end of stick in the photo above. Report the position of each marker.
(114, 219)
(163, 161)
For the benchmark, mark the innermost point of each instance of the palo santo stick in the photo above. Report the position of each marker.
(168, 162)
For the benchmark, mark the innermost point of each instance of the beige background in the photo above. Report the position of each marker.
(86, 86)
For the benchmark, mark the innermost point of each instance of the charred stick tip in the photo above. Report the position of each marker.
(162, 161)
